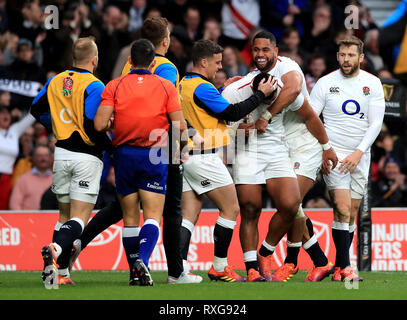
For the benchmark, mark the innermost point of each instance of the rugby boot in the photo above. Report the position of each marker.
(265, 266)
(317, 274)
(284, 273)
(185, 277)
(254, 276)
(142, 273)
(65, 280)
(348, 274)
(228, 275)
(50, 271)
(337, 274)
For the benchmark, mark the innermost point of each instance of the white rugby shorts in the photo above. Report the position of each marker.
(356, 182)
(205, 172)
(266, 160)
(306, 155)
(77, 178)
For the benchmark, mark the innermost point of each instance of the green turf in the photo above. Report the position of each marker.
(106, 285)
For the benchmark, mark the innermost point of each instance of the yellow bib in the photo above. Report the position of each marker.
(66, 96)
(213, 130)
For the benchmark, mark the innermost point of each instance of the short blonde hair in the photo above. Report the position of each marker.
(351, 41)
(84, 49)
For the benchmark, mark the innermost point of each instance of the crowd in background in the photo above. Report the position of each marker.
(306, 31)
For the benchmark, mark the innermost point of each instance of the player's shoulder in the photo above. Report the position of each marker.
(333, 76)
(369, 77)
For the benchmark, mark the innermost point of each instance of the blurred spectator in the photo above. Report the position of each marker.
(372, 49)
(5, 98)
(3, 17)
(175, 10)
(24, 162)
(317, 68)
(365, 22)
(233, 63)
(9, 136)
(136, 14)
(177, 52)
(191, 25)
(220, 78)
(329, 48)
(212, 30)
(33, 17)
(29, 188)
(26, 143)
(113, 38)
(25, 46)
(75, 23)
(383, 150)
(384, 74)
(23, 69)
(391, 190)
(291, 38)
(276, 15)
(239, 18)
(321, 29)
(107, 193)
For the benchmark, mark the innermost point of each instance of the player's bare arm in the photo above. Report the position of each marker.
(315, 126)
(292, 88)
(103, 117)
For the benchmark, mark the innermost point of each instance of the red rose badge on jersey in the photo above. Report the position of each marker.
(366, 91)
(67, 86)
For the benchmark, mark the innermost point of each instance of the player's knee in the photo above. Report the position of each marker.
(290, 208)
(341, 212)
(250, 211)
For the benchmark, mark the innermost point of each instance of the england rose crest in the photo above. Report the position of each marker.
(366, 91)
(67, 86)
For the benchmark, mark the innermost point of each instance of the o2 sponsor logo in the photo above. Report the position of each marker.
(352, 108)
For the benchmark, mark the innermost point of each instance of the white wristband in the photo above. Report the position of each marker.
(326, 146)
(267, 115)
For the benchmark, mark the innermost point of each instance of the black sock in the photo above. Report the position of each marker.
(251, 265)
(351, 235)
(264, 252)
(102, 220)
(317, 256)
(68, 233)
(341, 240)
(292, 255)
(315, 252)
(185, 239)
(222, 237)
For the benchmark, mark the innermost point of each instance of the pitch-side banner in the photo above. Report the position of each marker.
(23, 234)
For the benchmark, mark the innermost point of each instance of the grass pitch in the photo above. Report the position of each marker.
(113, 285)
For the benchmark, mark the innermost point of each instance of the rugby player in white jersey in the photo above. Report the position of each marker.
(265, 160)
(305, 154)
(352, 104)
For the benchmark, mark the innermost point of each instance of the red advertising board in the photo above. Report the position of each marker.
(22, 235)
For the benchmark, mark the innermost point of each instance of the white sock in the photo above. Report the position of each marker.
(219, 264)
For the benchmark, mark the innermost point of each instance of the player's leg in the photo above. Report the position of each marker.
(250, 202)
(225, 198)
(286, 197)
(354, 209)
(131, 242)
(191, 208)
(172, 220)
(107, 216)
(322, 268)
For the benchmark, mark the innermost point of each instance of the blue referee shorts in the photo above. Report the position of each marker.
(134, 171)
